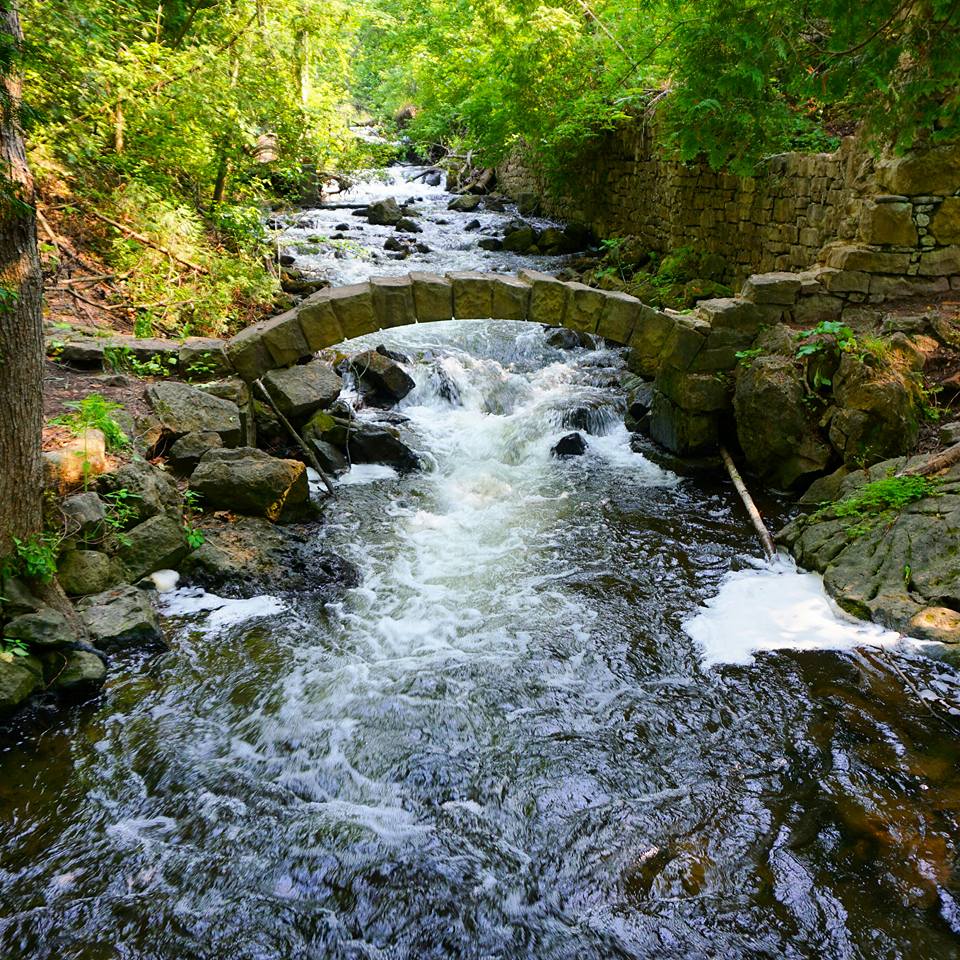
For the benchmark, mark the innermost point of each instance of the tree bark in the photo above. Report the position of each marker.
(21, 327)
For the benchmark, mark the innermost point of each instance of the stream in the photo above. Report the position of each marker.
(565, 714)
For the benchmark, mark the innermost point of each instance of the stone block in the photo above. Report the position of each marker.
(685, 340)
(284, 339)
(888, 224)
(681, 431)
(779, 288)
(734, 313)
(694, 391)
(432, 297)
(511, 298)
(472, 294)
(811, 310)
(248, 353)
(202, 358)
(300, 390)
(548, 298)
(845, 256)
(845, 281)
(353, 308)
(393, 301)
(620, 315)
(945, 225)
(648, 341)
(584, 307)
(935, 170)
(319, 323)
(944, 262)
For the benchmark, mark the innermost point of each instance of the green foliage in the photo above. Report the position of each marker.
(95, 412)
(34, 557)
(880, 502)
(746, 357)
(191, 506)
(733, 82)
(156, 365)
(11, 647)
(828, 336)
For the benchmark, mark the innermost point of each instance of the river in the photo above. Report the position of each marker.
(566, 714)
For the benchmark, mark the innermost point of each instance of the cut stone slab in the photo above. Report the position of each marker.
(121, 618)
(945, 225)
(383, 374)
(888, 224)
(299, 391)
(844, 256)
(182, 408)
(944, 262)
(620, 315)
(510, 298)
(248, 354)
(284, 339)
(353, 307)
(933, 171)
(319, 323)
(778, 288)
(548, 298)
(472, 294)
(248, 481)
(735, 313)
(393, 301)
(156, 544)
(432, 297)
(585, 306)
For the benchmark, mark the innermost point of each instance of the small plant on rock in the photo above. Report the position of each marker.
(826, 337)
(95, 412)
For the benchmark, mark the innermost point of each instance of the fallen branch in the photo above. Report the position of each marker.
(941, 461)
(140, 238)
(92, 303)
(310, 455)
(756, 519)
(42, 220)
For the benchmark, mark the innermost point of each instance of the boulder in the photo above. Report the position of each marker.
(877, 413)
(19, 677)
(84, 514)
(120, 618)
(406, 225)
(82, 674)
(362, 442)
(891, 566)
(786, 449)
(301, 390)
(85, 572)
(47, 628)
(572, 445)
(490, 243)
(385, 213)
(465, 204)
(519, 239)
(185, 454)
(182, 408)
(382, 375)
(149, 490)
(156, 544)
(248, 481)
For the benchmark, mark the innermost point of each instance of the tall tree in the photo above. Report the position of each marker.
(21, 330)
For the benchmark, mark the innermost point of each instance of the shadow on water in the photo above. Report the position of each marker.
(503, 743)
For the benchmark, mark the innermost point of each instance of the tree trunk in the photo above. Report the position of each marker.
(21, 328)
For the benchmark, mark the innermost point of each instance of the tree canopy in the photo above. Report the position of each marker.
(731, 81)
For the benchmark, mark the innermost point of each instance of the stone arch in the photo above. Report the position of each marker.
(342, 313)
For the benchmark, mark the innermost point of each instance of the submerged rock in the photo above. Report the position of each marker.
(465, 204)
(572, 445)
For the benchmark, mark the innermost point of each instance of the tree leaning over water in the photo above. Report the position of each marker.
(21, 331)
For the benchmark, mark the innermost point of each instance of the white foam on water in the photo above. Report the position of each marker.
(221, 612)
(367, 473)
(164, 580)
(777, 607)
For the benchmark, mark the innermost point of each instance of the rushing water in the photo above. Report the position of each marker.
(518, 737)
(357, 252)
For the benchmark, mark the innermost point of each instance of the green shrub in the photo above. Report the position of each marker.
(95, 412)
